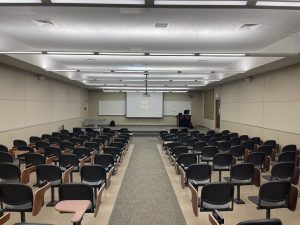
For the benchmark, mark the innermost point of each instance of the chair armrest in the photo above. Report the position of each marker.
(4, 218)
(256, 177)
(38, 199)
(267, 163)
(195, 199)
(81, 161)
(293, 197)
(98, 200)
(246, 153)
(182, 177)
(12, 152)
(66, 175)
(108, 179)
(26, 173)
(295, 177)
(273, 154)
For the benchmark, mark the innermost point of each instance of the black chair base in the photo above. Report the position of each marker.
(238, 201)
(52, 203)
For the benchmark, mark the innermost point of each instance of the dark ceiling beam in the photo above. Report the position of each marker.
(149, 3)
(46, 2)
(251, 3)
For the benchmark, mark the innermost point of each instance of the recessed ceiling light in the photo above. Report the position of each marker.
(250, 26)
(161, 25)
(279, 3)
(172, 54)
(199, 2)
(20, 1)
(61, 70)
(121, 53)
(111, 2)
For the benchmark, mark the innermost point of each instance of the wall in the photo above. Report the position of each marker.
(96, 95)
(268, 107)
(32, 107)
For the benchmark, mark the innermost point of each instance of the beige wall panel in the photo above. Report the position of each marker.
(176, 97)
(283, 85)
(12, 114)
(229, 93)
(75, 94)
(196, 108)
(229, 112)
(37, 90)
(60, 111)
(250, 113)
(38, 112)
(251, 91)
(12, 84)
(59, 92)
(282, 116)
(74, 110)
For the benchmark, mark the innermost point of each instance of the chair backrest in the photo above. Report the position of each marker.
(210, 132)
(237, 151)
(179, 150)
(46, 137)
(3, 148)
(225, 137)
(76, 191)
(271, 142)
(63, 131)
(91, 146)
(82, 152)
(76, 141)
(9, 173)
(289, 148)
(104, 160)
(115, 152)
(213, 141)
(34, 159)
(256, 140)
(52, 151)
(100, 141)
(224, 146)
(287, 156)
(41, 145)
(243, 138)
(256, 158)
(222, 159)
(48, 172)
(261, 222)
(55, 134)
(92, 173)
(282, 170)
(249, 145)
(34, 139)
(66, 145)
(55, 140)
(18, 143)
(186, 159)
(235, 141)
(25, 148)
(209, 151)
(17, 197)
(199, 172)
(225, 131)
(234, 135)
(174, 131)
(198, 146)
(274, 191)
(242, 171)
(68, 160)
(267, 149)
(217, 196)
(5, 157)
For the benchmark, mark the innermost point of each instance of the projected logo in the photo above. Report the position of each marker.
(144, 104)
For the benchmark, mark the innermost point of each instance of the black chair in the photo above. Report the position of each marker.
(67, 146)
(261, 222)
(107, 161)
(222, 162)
(243, 138)
(5, 157)
(66, 161)
(194, 133)
(273, 143)
(225, 132)
(283, 171)
(178, 151)
(18, 142)
(20, 198)
(168, 147)
(55, 141)
(46, 137)
(197, 175)
(51, 174)
(92, 146)
(224, 146)
(56, 134)
(174, 131)
(289, 156)
(77, 191)
(213, 141)
(237, 152)
(258, 142)
(64, 131)
(208, 153)
(289, 148)
(114, 152)
(21, 157)
(214, 196)
(258, 159)
(33, 140)
(198, 146)
(40, 146)
(210, 132)
(3, 148)
(276, 194)
(235, 141)
(268, 150)
(185, 160)
(9, 173)
(225, 137)
(190, 143)
(34, 159)
(95, 176)
(243, 174)
(77, 141)
(205, 138)
(234, 135)
(249, 145)
(52, 152)
(83, 153)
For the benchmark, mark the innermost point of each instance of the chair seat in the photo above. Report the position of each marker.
(269, 204)
(216, 167)
(204, 158)
(25, 207)
(241, 181)
(209, 206)
(199, 182)
(94, 183)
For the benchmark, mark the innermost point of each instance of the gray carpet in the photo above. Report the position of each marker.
(146, 196)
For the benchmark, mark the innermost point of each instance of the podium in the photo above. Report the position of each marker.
(184, 121)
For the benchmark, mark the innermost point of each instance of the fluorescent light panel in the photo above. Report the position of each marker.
(222, 54)
(20, 1)
(172, 54)
(20, 52)
(121, 53)
(278, 3)
(185, 2)
(71, 53)
(113, 2)
(62, 70)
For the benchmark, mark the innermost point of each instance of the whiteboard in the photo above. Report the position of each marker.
(172, 108)
(112, 108)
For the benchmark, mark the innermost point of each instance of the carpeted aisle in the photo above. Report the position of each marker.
(146, 195)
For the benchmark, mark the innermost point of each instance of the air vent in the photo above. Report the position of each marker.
(44, 22)
(161, 25)
(249, 26)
